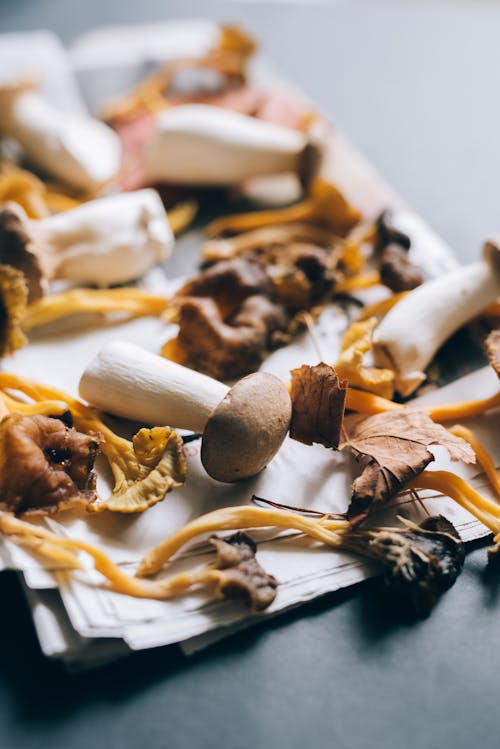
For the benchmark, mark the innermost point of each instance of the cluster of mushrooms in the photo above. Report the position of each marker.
(84, 208)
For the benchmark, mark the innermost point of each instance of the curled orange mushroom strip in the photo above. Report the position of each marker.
(482, 455)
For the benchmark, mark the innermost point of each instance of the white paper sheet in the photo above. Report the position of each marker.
(84, 624)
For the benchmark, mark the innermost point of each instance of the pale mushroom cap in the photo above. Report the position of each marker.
(247, 428)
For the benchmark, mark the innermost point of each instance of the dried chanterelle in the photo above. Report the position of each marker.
(76, 149)
(103, 242)
(243, 427)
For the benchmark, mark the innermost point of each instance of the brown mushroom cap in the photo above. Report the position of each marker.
(18, 248)
(247, 428)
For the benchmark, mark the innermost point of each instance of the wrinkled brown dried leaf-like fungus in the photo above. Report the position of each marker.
(318, 399)
(395, 447)
(241, 576)
(45, 466)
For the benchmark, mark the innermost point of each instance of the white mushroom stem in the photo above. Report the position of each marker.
(129, 381)
(78, 150)
(411, 333)
(103, 242)
(199, 144)
(108, 241)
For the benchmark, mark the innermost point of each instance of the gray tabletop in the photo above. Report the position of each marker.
(416, 88)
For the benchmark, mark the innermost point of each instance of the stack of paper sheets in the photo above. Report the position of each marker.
(78, 620)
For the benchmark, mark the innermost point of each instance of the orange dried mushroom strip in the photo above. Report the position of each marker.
(325, 205)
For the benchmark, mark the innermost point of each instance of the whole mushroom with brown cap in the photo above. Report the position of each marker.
(243, 427)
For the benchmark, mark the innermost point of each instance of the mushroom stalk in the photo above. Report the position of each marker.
(129, 381)
(103, 242)
(199, 144)
(78, 150)
(412, 332)
(243, 427)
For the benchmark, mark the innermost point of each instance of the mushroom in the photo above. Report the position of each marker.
(199, 144)
(78, 150)
(103, 242)
(243, 426)
(325, 205)
(412, 331)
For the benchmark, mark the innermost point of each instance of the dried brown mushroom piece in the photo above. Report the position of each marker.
(239, 573)
(318, 399)
(325, 206)
(226, 350)
(387, 233)
(492, 344)
(45, 465)
(397, 272)
(421, 561)
(228, 319)
(13, 304)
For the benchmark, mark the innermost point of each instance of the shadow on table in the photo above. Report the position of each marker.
(40, 689)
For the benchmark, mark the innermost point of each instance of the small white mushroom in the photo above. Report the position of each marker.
(412, 332)
(243, 427)
(78, 150)
(199, 144)
(103, 242)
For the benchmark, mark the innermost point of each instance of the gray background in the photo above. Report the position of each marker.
(416, 87)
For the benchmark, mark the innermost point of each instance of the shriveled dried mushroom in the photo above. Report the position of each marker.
(421, 561)
(318, 399)
(240, 575)
(397, 272)
(45, 465)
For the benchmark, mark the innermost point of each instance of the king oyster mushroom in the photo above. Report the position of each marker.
(107, 241)
(78, 150)
(199, 144)
(243, 427)
(412, 332)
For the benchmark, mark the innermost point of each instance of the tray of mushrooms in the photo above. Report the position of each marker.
(307, 399)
